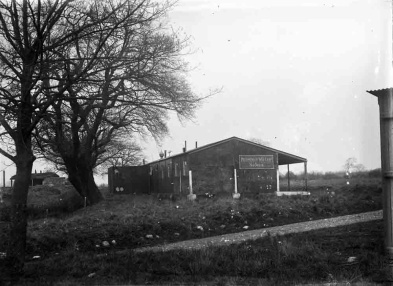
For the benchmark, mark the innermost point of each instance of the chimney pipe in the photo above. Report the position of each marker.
(185, 146)
(165, 154)
(196, 144)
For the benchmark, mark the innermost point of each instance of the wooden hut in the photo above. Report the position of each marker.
(207, 169)
(37, 178)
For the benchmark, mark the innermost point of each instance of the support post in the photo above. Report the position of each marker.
(305, 176)
(149, 182)
(289, 184)
(277, 174)
(385, 102)
(3, 178)
(191, 196)
(181, 174)
(236, 195)
(190, 181)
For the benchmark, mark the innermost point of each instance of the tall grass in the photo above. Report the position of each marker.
(317, 256)
(133, 221)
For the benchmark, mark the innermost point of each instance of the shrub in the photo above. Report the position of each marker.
(376, 173)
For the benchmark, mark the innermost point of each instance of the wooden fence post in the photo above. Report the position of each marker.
(305, 176)
(191, 196)
(236, 195)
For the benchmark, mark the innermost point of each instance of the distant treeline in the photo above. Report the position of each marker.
(375, 173)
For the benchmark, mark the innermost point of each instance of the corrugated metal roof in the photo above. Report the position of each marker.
(379, 92)
(283, 157)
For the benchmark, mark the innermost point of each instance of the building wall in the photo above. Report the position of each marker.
(161, 176)
(181, 174)
(256, 180)
(212, 172)
(213, 169)
(128, 180)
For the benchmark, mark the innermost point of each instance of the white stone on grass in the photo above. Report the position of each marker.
(351, 259)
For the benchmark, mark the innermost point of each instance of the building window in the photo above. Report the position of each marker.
(169, 166)
(176, 170)
(185, 168)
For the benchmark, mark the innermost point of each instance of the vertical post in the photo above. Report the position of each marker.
(235, 177)
(385, 102)
(289, 184)
(277, 174)
(3, 178)
(110, 179)
(190, 181)
(305, 176)
(149, 183)
(181, 174)
(191, 196)
(236, 195)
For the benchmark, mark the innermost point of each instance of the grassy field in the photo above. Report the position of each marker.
(314, 257)
(67, 243)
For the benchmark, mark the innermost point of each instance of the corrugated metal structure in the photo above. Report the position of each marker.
(212, 167)
(37, 178)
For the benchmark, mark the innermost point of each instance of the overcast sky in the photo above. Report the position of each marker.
(293, 73)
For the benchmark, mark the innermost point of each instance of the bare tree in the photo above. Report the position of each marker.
(139, 80)
(120, 153)
(359, 168)
(34, 37)
(349, 165)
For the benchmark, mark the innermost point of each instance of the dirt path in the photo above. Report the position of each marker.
(239, 237)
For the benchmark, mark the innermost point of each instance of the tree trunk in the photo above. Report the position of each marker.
(15, 257)
(81, 177)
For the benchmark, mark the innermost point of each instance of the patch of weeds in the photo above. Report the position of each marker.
(142, 220)
(314, 257)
